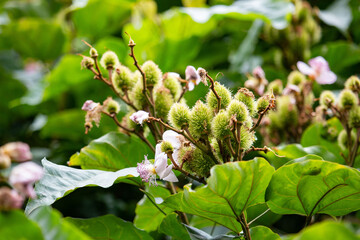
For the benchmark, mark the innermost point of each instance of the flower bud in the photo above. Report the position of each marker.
(122, 79)
(276, 87)
(220, 125)
(166, 147)
(327, 98)
(343, 139)
(109, 60)
(223, 92)
(200, 120)
(296, 78)
(111, 106)
(347, 99)
(262, 103)
(171, 82)
(179, 115)
(5, 160)
(87, 62)
(10, 199)
(152, 72)
(139, 117)
(17, 151)
(163, 102)
(247, 97)
(238, 109)
(93, 52)
(130, 124)
(353, 83)
(354, 117)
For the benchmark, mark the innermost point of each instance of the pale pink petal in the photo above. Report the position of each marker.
(158, 149)
(191, 86)
(319, 64)
(304, 68)
(326, 77)
(173, 138)
(139, 117)
(160, 164)
(258, 72)
(171, 177)
(89, 105)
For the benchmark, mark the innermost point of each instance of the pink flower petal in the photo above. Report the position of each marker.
(326, 77)
(304, 68)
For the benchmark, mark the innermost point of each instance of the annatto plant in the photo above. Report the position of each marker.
(201, 169)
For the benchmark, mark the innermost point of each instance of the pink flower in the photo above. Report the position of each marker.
(148, 171)
(318, 70)
(23, 176)
(139, 117)
(10, 199)
(192, 76)
(290, 88)
(17, 151)
(89, 105)
(258, 82)
(258, 72)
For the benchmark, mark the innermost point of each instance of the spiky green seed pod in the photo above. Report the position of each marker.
(247, 138)
(327, 98)
(353, 83)
(343, 140)
(296, 78)
(152, 72)
(238, 109)
(262, 103)
(179, 115)
(276, 87)
(163, 102)
(287, 112)
(109, 60)
(195, 161)
(122, 79)
(137, 96)
(166, 147)
(220, 125)
(247, 97)
(354, 117)
(172, 83)
(200, 120)
(347, 99)
(87, 62)
(111, 106)
(127, 122)
(223, 92)
(93, 52)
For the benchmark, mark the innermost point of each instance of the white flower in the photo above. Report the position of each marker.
(291, 88)
(17, 151)
(174, 139)
(89, 105)
(23, 176)
(318, 69)
(139, 117)
(192, 77)
(148, 171)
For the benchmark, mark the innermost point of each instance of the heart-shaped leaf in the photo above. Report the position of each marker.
(263, 233)
(60, 180)
(313, 186)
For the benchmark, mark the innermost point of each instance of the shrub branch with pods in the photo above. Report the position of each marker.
(218, 131)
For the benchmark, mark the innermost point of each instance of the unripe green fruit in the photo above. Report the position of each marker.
(247, 138)
(262, 103)
(223, 92)
(93, 52)
(200, 120)
(353, 83)
(354, 117)
(137, 96)
(343, 140)
(247, 97)
(109, 60)
(287, 112)
(111, 106)
(327, 98)
(163, 102)
(238, 109)
(179, 115)
(276, 87)
(296, 78)
(172, 83)
(166, 147)
(347, 99)
(152, 72)
(195, 161)
(87, 62)
(122, 78)
(220, 125)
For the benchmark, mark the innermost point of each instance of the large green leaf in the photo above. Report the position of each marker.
(54, 227)
(111, 152)
(14, 225)
(273, 11)
(263, 233)
(172, 227)
(313, 186)
(59, 181)
(325, 231)
(36, 38)
(197, 234)
(231, 189)
(148, 217)
(108, 227)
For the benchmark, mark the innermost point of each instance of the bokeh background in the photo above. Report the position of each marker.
(42, 86)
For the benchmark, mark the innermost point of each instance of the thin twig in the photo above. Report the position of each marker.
(212, 87)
